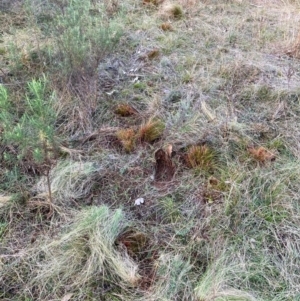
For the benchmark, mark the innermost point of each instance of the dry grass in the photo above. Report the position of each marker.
(125, 110)
(127, 137)
(221, 77)
(201, 157)
(171, 11)
(151, 130)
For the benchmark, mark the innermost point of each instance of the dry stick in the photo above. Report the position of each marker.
(49, 185)
(48, 163)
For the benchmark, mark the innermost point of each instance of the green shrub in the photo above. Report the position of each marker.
(81, 32)
(28, 135)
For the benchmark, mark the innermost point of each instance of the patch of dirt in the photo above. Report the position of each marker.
(164, 166)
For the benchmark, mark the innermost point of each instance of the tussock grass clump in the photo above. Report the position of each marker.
(86, 254)
(166, 27)
(261, 154)
(127, 137)
(153, 54)
(82, 259)
(125, 110)
(171, 11)
(70, 180)
(201, 157)
(151, 130)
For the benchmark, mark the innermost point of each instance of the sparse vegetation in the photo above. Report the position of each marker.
(149, 150)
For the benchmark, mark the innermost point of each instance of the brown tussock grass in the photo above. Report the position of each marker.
(151, 130)
(152, 54)
(127, 137)
(125, 110)
(200, 157)
(261, 154)
(166, 27)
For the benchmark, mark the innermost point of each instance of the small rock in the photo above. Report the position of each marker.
(139, 201)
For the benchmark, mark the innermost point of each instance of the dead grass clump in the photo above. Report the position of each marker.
(153, 54)
(70, 180)
(134, 242)
(125, 110)
(42, 206)
(171, 11)
(201, 157)
(166, 27)
(127, 137)
(90, 243)
(261, 154)
(151, 130)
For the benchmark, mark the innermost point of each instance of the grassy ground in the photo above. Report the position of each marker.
(149, 150)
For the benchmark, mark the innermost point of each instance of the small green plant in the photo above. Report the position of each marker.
(32, 134)
(3, 228)
(170, 210)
